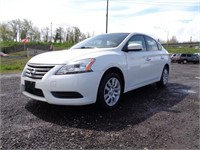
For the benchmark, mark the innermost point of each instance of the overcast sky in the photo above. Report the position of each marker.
(158, 18)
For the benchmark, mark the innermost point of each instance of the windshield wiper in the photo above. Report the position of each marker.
(85, 47)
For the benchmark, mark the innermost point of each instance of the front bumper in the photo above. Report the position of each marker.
(85, 84)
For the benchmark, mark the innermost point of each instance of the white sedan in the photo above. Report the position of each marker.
(97, 70)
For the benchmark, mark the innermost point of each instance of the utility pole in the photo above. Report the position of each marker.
(51, 32)
(107, 18)
(167, 37)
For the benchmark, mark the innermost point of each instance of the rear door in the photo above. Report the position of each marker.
(156, 59)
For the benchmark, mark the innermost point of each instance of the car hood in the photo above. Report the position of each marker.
(61, 57)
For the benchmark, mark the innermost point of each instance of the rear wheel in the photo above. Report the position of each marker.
(110, 91)
(164, 78)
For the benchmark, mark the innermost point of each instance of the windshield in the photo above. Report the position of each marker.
(102, 41)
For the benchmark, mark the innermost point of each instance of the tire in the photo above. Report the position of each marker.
(164, 78)
(110, 91)
(185, 61)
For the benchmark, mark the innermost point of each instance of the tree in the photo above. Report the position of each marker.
(70, 36)
(45, 34)
(58, 35)
(35, 34)
(77, 34)
(173, 40)
(26, 28)
(16, 30)
(74, 35)
(84, 36)
(5, 32)
(14, 26)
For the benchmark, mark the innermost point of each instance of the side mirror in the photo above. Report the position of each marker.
(134, 47)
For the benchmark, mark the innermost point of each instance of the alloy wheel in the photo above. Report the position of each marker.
(112, 91)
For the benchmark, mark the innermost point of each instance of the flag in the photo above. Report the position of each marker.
(25, 40)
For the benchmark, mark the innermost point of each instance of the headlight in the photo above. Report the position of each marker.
(79, 66)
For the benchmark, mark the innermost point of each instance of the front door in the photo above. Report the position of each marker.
(139, 64)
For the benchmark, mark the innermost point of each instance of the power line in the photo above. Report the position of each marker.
(167, 3)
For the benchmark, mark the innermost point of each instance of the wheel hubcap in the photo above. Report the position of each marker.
(112, 91)
(165, 77)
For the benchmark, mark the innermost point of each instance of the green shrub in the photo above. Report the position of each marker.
(182, 50)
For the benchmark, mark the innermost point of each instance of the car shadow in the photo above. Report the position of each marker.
(135, 107)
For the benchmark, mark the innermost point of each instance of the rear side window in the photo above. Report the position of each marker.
(189, 55)
(183, 55)
(151, 44)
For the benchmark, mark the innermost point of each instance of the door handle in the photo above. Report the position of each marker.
(147, 59)
(162, 57)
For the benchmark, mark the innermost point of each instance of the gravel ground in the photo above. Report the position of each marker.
(147, 118)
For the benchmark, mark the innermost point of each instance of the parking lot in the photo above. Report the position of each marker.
(147, 118)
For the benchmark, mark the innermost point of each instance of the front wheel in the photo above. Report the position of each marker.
(110, 91)
(164, 78)
(185, 61)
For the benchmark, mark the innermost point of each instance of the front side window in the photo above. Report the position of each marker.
(159, 46)
(138, 39)
(151, 44)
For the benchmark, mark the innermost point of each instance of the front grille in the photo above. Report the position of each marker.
(36, 71)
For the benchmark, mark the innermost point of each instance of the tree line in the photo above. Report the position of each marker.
(16, 30)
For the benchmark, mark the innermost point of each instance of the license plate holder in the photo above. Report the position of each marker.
(30, 85)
